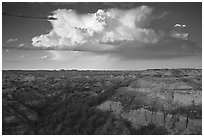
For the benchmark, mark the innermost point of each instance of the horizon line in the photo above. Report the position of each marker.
(62, 69)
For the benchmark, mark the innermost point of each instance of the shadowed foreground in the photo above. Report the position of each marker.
(102, 102)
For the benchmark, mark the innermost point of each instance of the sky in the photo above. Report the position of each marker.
(101, 35)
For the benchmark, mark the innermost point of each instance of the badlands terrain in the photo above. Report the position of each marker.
(155, 101)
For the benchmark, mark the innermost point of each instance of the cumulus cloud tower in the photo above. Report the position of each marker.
(105, 27)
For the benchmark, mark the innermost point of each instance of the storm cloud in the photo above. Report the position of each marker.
(109, 26)
(123, 32)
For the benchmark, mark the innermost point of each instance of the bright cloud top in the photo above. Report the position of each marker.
(179, 31)
(179, 25)
(105, 27)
